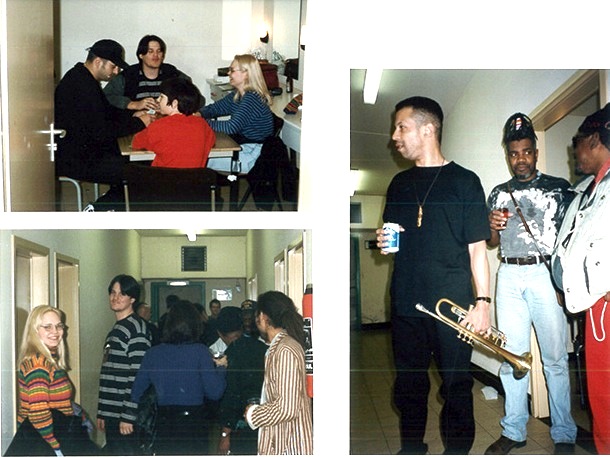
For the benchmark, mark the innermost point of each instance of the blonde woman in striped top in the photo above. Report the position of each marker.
(45, 391)
(284, 416)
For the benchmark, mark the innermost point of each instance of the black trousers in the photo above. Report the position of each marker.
(416, 340)
(117, 444)
(181, 430)
(72, 436)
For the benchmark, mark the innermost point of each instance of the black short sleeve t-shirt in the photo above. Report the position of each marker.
(433, 261)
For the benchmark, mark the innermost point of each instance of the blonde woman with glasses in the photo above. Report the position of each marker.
(49, 422)
(249, 108)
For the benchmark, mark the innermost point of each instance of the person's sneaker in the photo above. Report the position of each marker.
(564, 449)
(503, 446)
(89, 208)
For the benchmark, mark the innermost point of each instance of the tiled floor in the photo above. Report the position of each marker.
(374, 422)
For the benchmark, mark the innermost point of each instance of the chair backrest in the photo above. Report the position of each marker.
(278, 124)
(169, 189)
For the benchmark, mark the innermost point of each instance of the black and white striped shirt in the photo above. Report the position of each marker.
(124, 349)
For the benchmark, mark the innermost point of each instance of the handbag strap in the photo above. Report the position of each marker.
(527, 228)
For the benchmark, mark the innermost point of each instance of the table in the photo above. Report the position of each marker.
(224, 146)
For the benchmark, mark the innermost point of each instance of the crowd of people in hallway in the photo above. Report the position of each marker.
(553, 259)
(241, 391)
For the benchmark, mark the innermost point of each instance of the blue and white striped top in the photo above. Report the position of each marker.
(250, 117)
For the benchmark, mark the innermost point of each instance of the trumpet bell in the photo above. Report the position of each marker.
(494, 341)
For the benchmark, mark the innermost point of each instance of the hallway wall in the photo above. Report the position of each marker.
(102, 254)
(105, 253)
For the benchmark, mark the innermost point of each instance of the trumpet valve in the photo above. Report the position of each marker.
(465, 338)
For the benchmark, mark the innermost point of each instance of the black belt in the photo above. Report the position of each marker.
(529, 260)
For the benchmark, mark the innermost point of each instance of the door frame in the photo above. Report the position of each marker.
(67, 284)
(576, 90)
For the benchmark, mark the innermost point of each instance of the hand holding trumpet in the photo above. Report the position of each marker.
(477, 319)
(494, 340)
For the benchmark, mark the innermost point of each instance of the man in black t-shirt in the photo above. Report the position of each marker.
(440, 207)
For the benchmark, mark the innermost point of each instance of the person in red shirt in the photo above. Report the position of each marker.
(178, 139)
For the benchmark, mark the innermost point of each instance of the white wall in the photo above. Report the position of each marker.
(201, 35)
(264, 247)
(106, 253)
(161, 257)
(473, 130)
(472, 138)
(102, 254)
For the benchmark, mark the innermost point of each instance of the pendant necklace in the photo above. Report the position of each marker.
(420, 206)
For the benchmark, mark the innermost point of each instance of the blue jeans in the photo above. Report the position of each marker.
(247, 158)
(525, 296)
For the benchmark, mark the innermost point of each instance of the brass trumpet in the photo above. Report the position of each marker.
(494, 342)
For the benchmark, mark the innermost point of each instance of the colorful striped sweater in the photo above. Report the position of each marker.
(43, 387)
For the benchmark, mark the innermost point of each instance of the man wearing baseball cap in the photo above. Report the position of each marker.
(581, 265)
(90, 151)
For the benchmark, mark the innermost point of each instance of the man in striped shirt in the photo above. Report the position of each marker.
(124, 349)
(137, 87)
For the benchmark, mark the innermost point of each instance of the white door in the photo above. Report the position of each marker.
(27, 84)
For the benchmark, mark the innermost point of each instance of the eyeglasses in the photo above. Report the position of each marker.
(233, 70)
(49, 327)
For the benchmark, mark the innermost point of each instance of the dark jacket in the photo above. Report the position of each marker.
(92, 126)
(245, 375)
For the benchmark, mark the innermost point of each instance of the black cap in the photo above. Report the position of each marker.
(229, 319)
(598, 122)
(518, 127)
(110, 50)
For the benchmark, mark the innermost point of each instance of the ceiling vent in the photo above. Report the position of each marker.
(194, 258)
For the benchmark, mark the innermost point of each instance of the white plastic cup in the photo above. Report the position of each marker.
(393, 231)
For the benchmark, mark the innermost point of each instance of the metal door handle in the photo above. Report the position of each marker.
(52, 145)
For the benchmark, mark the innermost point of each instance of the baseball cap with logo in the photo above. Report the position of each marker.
(110, 50)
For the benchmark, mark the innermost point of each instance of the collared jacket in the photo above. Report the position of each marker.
(581, 266)
(285, 414)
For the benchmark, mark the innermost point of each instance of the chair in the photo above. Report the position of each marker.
(169, 189)
(79, 191)
(263, 178)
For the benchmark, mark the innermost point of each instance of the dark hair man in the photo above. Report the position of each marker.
(178, 139)
(124, 349)
(580, 262)
(137, 88)
(90, 151)
(440, 207)
(525, 294)
(284, 416)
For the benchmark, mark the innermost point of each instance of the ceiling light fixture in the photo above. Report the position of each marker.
(372, 78)
(354, 180)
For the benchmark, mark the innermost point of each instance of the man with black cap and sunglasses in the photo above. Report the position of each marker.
(90, 151)
(581, 262)
(524, 218)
